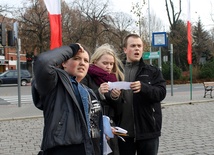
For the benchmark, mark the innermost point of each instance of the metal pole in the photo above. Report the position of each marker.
(190, 66)
(171, 64)
(160, 59)
(150, 48)
(18, 70)
(18, 47)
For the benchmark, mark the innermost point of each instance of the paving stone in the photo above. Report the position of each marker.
(187, 129)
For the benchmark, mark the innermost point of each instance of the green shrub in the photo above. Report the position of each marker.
(207, 71)
(167, 71)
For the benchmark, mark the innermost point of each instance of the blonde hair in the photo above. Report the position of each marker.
(108, 49)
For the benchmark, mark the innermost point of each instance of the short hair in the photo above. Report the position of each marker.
(129, 36)
(108, 49)
(87, 50)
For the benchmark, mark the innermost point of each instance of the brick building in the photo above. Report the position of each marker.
(8, 54)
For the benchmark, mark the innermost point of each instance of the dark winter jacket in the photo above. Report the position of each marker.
(110, 106)
(64, 121)
(146, 103)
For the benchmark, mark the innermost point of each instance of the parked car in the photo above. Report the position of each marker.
(11, 77)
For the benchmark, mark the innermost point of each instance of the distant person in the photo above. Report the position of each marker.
(141, 112)
(65, 102)
(106, 67)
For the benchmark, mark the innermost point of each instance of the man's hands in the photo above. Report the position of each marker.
(135, 86)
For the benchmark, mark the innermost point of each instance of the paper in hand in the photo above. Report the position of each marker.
(119, 85)
(120, 131)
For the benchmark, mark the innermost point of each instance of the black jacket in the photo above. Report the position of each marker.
(146, 103)
(110, 106)
(64, 122)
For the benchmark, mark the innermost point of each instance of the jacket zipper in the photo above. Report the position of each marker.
(153, 116)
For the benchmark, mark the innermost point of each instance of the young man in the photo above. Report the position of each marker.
(141, 111)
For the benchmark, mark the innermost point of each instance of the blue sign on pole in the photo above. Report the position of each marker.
(159, 39)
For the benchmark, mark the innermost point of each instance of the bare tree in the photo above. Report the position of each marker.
(5, 12)
(97, 14)
(87, 22)
(137, 10)
(212, 14)
(146, 25)
(5, 9)
(74, 24)
(121, 25)
(178, 33)
(34, 26)
(173, 16)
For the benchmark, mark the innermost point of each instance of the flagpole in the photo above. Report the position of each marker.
(190, 69)
(189, 46)
(150, 48)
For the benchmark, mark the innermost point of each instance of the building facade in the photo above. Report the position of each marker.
(9, 58)
(9, 53)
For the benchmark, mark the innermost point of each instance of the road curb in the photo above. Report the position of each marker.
(186, 102)
(21, 118)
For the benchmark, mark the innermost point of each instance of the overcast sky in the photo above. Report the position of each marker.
(158, 7)
(198, 9)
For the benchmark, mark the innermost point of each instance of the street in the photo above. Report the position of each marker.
(187, 130)
(9, 93)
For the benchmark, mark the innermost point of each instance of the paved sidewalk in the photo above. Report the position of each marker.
(11, 111)
(187, 128)
(185, 98)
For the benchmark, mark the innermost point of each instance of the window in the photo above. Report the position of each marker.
(9, 74)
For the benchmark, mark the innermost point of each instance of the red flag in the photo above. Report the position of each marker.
(54, 12)
(189, 36)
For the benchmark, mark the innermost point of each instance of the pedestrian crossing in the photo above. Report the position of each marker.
(14, 99)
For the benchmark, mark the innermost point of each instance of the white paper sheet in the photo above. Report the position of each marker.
(119, 85)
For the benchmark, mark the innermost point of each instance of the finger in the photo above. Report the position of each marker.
(136, 91)
(107, 137)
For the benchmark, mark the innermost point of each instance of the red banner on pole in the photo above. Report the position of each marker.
(189, 37)
(54, 12)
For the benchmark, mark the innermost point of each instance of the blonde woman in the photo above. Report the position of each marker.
(106, 67)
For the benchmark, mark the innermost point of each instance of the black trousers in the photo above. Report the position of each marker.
(77, 149)
(113, 143)
(142, 147)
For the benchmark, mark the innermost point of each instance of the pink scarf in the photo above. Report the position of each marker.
(99, 75)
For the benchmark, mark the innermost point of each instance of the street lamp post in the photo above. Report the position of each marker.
(149, 30)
